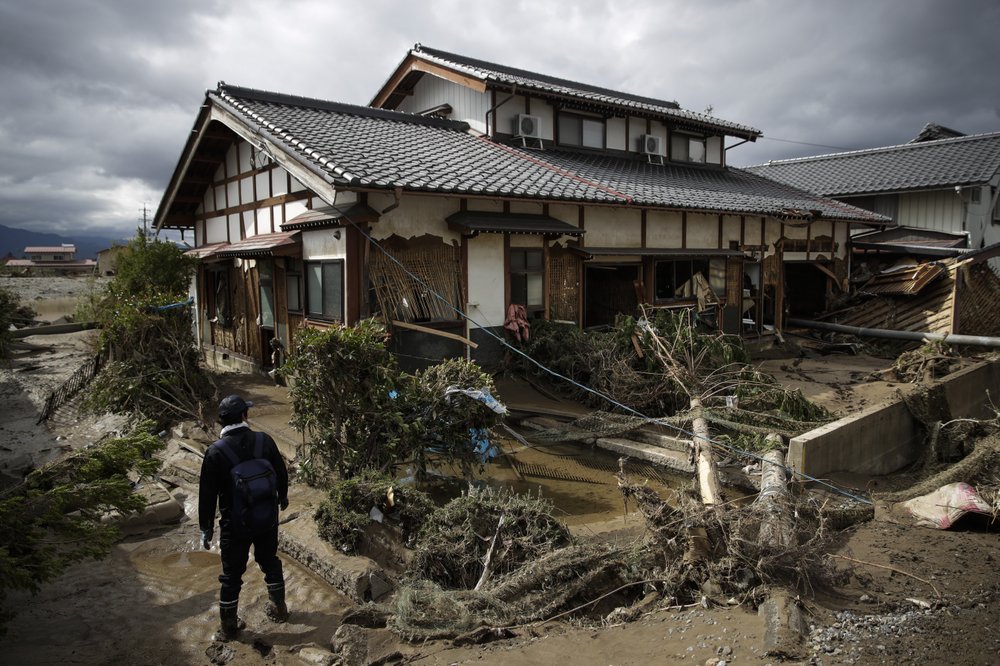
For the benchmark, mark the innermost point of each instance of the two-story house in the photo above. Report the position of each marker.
(59, 259)
(467, 187)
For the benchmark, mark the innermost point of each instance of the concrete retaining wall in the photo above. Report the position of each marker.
(885, 438)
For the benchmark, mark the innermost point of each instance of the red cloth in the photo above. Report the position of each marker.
(517, 321)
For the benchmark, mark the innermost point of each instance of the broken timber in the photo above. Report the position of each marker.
(784, 625)
(708, 479)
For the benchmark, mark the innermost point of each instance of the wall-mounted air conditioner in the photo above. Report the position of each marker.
(649, 144)
(527, 126)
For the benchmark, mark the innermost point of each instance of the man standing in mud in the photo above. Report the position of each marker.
(242, 458)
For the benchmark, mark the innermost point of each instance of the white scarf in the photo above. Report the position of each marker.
(231, 427)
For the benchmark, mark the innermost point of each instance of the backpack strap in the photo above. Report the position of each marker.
(258, 446)
(223, 445)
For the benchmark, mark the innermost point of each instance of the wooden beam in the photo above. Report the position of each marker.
(434, 331)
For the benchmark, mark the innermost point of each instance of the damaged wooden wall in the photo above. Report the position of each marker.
(431, 265)
(564, 284)
(239, 331)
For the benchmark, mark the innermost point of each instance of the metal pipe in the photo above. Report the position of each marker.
(976, 340)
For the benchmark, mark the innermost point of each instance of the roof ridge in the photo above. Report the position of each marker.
(548, 78)
(256, 94)
(878, 149)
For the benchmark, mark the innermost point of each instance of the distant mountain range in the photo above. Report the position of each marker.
(14, 241)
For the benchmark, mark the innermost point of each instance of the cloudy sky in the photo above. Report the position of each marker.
(98, 96)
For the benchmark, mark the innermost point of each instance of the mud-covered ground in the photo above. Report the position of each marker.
(914, 596)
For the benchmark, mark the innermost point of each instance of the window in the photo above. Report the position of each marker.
(581, 131)
(674, 278)
(687, 148)
(527, 279)
(293, 285)
(325, 290)
(265, 271)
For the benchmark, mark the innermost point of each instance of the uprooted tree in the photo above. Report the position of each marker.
(59, 514)
(362, 412)
(152, 369)
(12, 313)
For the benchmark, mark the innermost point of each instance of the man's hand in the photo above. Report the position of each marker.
(206, 539)
(283, 504)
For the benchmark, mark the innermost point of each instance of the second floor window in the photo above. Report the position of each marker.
(687, 148)
(581, 131)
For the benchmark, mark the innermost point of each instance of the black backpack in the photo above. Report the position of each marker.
(255, 489)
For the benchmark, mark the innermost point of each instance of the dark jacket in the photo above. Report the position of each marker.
(216, 482)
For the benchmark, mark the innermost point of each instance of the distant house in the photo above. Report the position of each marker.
(470, 188)
(107, 260)
(941, 183)
(59, 259)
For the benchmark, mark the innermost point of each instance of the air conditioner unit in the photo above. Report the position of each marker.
(649, 144)
(527, 126)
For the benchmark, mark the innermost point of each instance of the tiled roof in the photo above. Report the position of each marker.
(541, 83)
(50, 249)
(965, 160)
(373, 148)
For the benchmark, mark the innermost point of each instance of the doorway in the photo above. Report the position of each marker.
(609, 290)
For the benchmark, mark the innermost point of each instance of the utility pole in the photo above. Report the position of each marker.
(145, 221)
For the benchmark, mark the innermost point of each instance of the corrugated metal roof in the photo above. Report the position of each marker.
(50, 249)
(331, 217)
(205, 251)
(965, 160)
(260, 245)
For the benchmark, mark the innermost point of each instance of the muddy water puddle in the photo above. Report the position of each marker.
(50, 309)
(578, 479)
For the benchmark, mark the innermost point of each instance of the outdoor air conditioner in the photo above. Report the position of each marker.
(649, 144)
(527, 126)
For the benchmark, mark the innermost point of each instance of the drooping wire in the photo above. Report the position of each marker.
(588, 389)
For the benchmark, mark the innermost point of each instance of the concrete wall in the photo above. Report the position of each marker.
(885, 438)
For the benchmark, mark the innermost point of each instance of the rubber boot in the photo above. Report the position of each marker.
(276, 609)
(230, 622)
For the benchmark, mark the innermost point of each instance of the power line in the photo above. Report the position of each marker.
(805, 143)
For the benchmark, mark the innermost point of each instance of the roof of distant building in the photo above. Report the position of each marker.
(941, 163)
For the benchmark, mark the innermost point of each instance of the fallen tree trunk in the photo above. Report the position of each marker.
(784, 625)
(708, 478)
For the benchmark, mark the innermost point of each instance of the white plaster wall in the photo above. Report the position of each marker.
(466, 104)
(322, 244)
(525, 208)
(486, 280)
(636, 127)
(486, 205)
(730, 229)
(416, 216)
(235, 228)
(565, 213)
(663, 229)
(613, 227)
(507, 110)
(702, 230)
(525, 240)
(215, 230)
(797, 231)
(548, 117)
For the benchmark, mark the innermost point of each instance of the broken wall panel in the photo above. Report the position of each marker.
(409, 279)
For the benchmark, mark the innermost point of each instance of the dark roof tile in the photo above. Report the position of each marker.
(366, 147)
(965, 160)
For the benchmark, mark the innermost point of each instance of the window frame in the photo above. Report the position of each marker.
(718, 289)
(578, 140)
(322, 314)
(294, 273)
(526, 271)
(689, 140)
